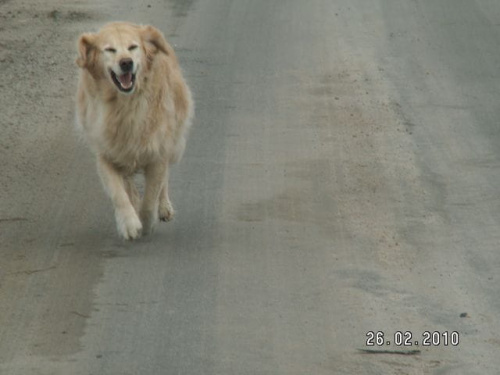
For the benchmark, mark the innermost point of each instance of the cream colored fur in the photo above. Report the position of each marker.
(143, 130)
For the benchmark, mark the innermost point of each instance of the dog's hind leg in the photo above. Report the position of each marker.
(127, 221)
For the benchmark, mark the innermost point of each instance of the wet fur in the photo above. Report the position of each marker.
(144, 131)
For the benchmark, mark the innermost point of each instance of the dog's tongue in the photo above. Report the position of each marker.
(125, 80)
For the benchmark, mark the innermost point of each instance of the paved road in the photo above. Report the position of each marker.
(341, 177)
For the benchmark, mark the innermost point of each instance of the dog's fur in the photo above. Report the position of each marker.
(134, 121)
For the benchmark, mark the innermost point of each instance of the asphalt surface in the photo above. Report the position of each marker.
(341, 177)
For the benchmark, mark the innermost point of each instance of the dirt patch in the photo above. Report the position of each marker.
(37, 144)
(71, 16)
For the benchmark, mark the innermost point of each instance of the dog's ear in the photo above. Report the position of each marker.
(152, 36)
(86, 50)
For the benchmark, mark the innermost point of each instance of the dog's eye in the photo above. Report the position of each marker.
(132, 47)
(110, 49)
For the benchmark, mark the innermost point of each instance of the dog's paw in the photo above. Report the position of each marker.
(166, 212)
(129, 225)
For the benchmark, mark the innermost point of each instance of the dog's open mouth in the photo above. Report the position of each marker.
(124, 82)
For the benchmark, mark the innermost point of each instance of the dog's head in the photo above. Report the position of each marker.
(119, 53)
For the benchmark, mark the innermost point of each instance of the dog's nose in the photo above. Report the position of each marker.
(126, 65)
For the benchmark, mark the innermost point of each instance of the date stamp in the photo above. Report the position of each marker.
(408, 338)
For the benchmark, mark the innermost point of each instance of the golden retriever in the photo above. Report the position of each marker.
(134, 108)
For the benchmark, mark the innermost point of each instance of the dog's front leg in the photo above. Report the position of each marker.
(127, 221)
(166, 210)
(155, 176)
(132, 192)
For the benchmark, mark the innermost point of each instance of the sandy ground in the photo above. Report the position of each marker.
(341, 177)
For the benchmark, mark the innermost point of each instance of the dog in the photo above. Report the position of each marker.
(134, 109)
